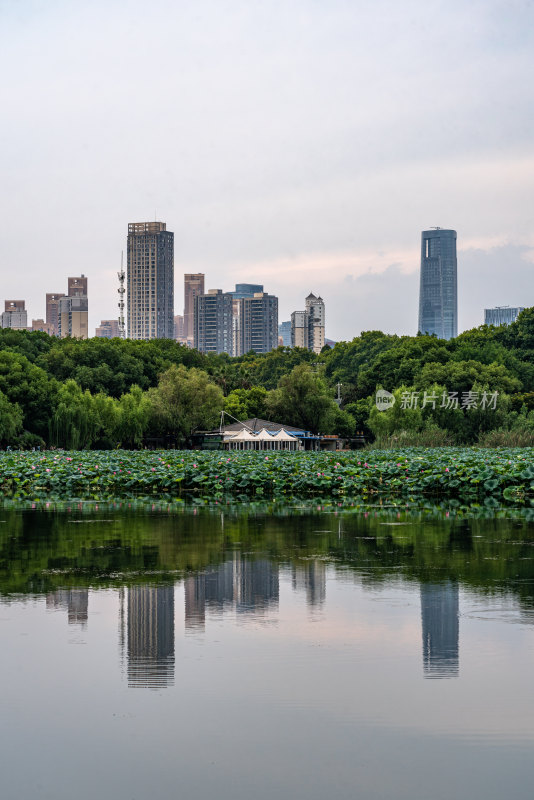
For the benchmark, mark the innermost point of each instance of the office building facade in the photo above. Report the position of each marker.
(438, 293)
(193, 287)
(501, 315)
(150, 281)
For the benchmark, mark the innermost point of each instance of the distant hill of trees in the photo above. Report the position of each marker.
(107, 393)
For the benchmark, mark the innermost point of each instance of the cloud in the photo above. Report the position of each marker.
(311, 141)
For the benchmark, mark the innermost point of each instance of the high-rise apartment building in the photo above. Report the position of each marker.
(243, 290)
(259, 323)
(150, 281)
(438, 295)
(193, 287)
(299, 329)
(73, 317)
(108, 329)
(52, 311)
(15, 315)
(213, 329)
(73, 310)
(179, 328)
(44, 327)
(77, 287)
(316, 322)
(284, 333)
(501, 315)
(308, 326)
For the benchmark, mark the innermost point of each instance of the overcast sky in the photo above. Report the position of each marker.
(302, 144)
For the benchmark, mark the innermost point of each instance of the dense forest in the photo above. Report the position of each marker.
(101, 393)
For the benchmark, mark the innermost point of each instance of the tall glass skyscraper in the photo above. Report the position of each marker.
(438, 296)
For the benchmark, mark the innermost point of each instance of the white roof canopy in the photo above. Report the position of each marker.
(242, 436)
(284, 436)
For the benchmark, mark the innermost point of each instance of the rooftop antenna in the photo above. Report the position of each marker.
(121, 276)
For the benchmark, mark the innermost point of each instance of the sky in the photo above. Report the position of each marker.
(303, 145)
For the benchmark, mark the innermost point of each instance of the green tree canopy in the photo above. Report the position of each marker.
(183, 402)
(30, 388)
(302, 399)
(10, 420)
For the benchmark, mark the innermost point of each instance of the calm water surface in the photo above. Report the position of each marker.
(254, 655)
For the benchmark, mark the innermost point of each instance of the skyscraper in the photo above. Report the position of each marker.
(259, 323)
(284, 333)
(308, 327)
(316, 322)
(77, 287)
(15, 315)
(179, 328)
(242, 290)
(52, 311)
(150, 281)
(73, 310)
(213, 331)
(438, 301)
(193, 287)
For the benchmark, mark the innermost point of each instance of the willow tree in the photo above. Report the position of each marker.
(10, 420)
(75, 423)
(184, 401)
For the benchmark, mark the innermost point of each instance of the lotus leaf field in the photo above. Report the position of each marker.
(462, 473)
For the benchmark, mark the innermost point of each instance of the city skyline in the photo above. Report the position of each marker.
(194, 283)
(282, 154)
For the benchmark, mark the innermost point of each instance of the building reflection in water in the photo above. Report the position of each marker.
(75, 601)
(439, 614)
(311, 577)
(246, 586)
(150, 636)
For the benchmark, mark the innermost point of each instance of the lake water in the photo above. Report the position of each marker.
(260, 654)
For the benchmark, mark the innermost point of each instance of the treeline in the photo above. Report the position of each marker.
(107, 393)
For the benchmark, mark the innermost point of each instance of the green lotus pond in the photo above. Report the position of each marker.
(502, 475)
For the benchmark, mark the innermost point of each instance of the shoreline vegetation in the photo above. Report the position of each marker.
(503, 476)
(101, 394)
